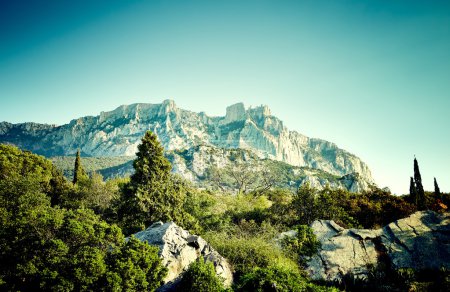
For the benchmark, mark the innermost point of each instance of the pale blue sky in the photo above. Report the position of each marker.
(371, 76)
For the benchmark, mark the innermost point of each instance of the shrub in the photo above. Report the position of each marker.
(276, 279)
(304, 244)
(246, 249)
(201, 276)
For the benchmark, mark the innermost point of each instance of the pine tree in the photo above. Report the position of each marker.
(78, 171)
(419, 187)
(437, 191)
(152, 193)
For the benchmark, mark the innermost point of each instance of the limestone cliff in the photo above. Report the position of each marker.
(119, 132)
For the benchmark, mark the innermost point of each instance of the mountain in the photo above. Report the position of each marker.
(118, 133)
(216, 168)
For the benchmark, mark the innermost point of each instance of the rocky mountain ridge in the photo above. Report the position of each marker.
(118, 133)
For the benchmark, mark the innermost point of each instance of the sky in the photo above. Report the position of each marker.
(371, 76)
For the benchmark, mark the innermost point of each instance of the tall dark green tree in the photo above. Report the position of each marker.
(413, 191)
(78, 171)
(419, 187)
(437, 191)
(152, 193)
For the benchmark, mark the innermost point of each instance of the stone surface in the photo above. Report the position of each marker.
(119, 132)
(178, 249)
(420, 241)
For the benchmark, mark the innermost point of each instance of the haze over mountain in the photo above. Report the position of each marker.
(119, 132)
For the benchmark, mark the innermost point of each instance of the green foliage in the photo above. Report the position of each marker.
(309, 204)
(109, 167)
(153, 193)
(250, 245)
(15, 164)
(78, 170)
(304, 244)
(49, 248)
(135, 266)
(304, 204)
(437, 191)
(201, 276)
(276, 279)
(376, 208)
(419, 191)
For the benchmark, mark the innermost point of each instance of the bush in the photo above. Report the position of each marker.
(201, 276)
(276, 279)
(304, 244)
(134, 266)
(250, 245)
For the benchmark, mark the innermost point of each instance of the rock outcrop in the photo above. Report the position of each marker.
(420, 241)
(119, 132)
(178, 249)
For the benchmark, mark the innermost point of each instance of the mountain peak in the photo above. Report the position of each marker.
(235, 112)
(167, 106)
(119, 132)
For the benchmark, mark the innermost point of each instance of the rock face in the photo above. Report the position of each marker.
(197, 162)
(119, 132)
(420, 241)
(178, 249)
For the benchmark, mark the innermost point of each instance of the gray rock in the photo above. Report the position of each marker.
(119, 132)
(420, 241)
(178, 249)
(343, 251)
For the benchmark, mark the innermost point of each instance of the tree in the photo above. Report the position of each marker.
(46, 248)
(78, 171)
(304, 203)
(153, 193)
(420, 200)
(437, 191)
(413, 191)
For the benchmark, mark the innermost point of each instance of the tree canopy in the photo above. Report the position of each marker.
(153, 193)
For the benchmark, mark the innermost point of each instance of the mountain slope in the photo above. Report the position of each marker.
(216, 168)
(118, 132)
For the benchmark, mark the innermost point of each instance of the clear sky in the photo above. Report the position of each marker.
(371, 76)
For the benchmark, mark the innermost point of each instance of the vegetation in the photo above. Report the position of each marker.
(277, 279)
(417, 192)
(153, 193)
(108, 167)
(78, 172)
(303, 245)
(201, 276)
(45, 247)
(437, 191)
(65, 235)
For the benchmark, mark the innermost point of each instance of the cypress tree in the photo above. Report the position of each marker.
(437, 191)
(419, 186)
(78, 171)
(413, 191)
